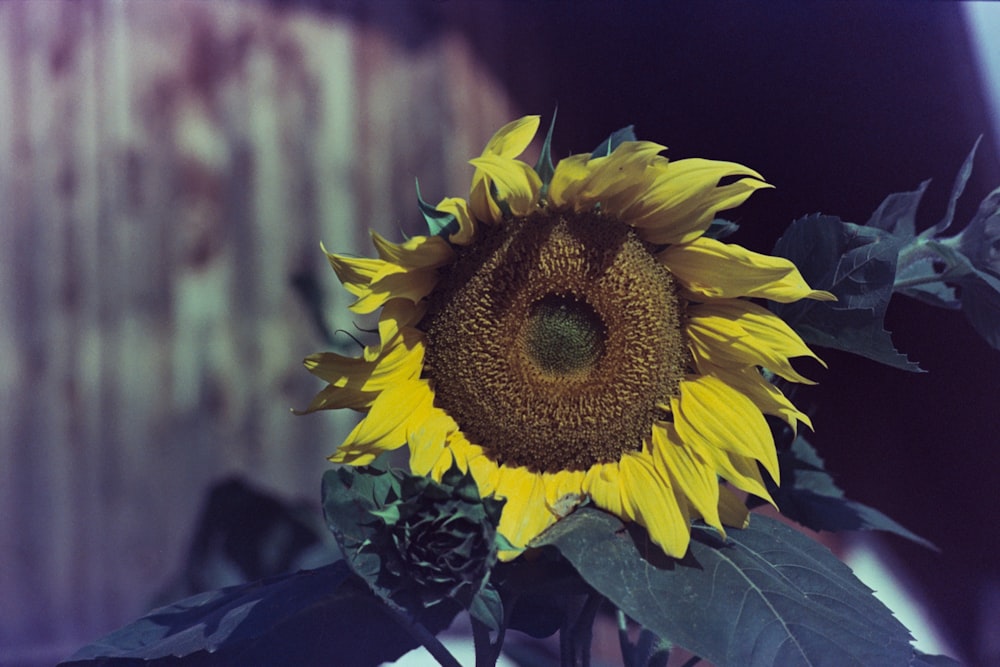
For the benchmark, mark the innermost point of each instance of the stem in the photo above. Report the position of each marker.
(427, 640)
(578, 629)
(583, 630)
(644, 648)
(912, 282)
(628, 650)
(487, 652)
(694, 660)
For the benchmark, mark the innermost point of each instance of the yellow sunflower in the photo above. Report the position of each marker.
(577, 338)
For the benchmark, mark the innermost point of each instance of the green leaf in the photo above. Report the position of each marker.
(720, 229)
(897, 213)
(857, 264)
(768, 596)
(809, 495)
(306, 618)
(927, 660)
(961, 178)
(544, 167)
(438, 222)
(487, 608)
(617, 138)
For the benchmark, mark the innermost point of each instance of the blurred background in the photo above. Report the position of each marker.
(168, 169)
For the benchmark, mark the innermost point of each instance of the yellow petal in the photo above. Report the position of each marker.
(713, 415)
(516, 182)
(395, 413)
(397, 318)
(738, 333)
(768, 398)
(683, 200)
(569, 178)
(466, 223)
(648, 500)
(625, 175)
(475, 461)
(614, 181)
(355, 273)
(419, 252)
(742, 472)
(413, 286)
(564, 491)
(354, 383)
(513, 138)
(525, 514)
(508, 142)
(693, 476)
(732, 510)
(429, 441)
(376, 281)
(714, 269)
(603, 484)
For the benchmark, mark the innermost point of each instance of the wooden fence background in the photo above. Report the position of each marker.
(165, 168)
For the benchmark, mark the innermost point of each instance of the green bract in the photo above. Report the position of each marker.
(418, 543)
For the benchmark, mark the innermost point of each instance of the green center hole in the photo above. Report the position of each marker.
(564, 334)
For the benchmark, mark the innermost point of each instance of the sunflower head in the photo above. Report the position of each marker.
(574, 337)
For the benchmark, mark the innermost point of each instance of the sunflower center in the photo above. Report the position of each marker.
(563, 334)
(553, 339)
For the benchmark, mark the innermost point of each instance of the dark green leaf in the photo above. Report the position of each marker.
(350, 498)
(769, 596)
(981, 305)
(617, 138)
(897, 213)
(809, 496)
(314, 617)
(857, 264)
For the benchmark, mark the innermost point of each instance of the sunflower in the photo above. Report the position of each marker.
(571, 334)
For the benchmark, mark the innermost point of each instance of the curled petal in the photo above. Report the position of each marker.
(355, 382)
(419, 252)
(508, 143)
(466, 223)
(569, 178)
(394, 415)
(710, 268)
(517, 184)
(685, 196)
(407, 271)
(733, 332)
(614, 181)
